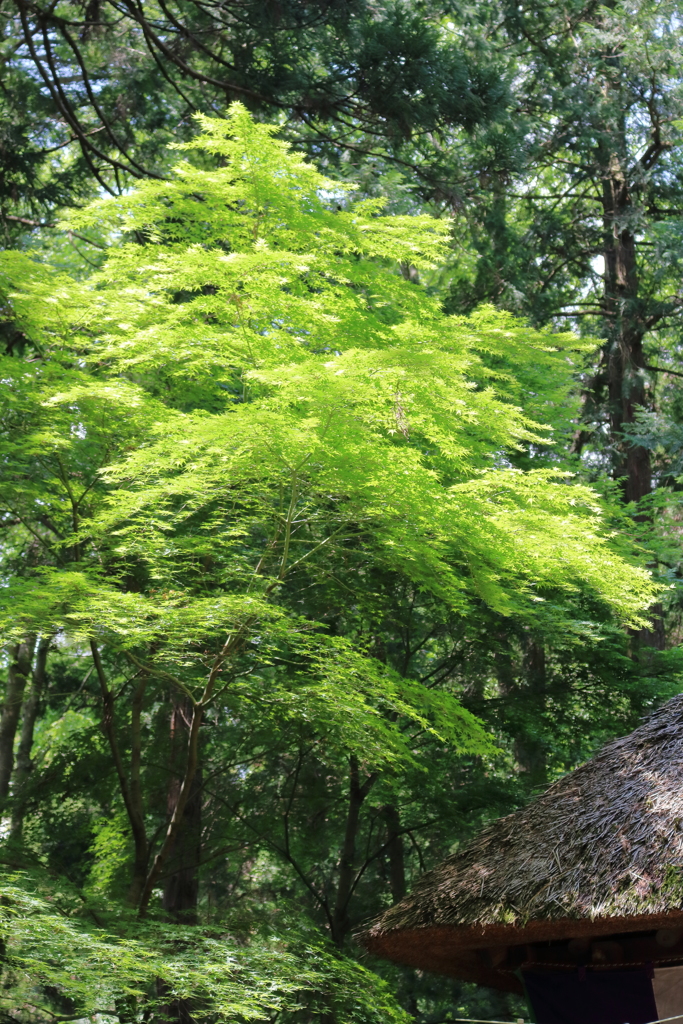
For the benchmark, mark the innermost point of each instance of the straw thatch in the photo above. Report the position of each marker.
(601, 851)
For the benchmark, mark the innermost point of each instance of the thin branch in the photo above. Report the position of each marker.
(74, 138)
(662, 369)
(153, 671)
(135, 166)
(319, 898)
(60, 100)
(45, 224)
(48, 547)
(73, 1016)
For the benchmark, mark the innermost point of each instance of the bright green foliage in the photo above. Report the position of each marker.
(241, 456)
(298, 370)
(115, 977)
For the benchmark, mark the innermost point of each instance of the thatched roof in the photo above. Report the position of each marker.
(600, 852)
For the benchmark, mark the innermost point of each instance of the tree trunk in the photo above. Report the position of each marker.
(129, 794)
(181, 887)
(341, 922)
(526, 705)
(530, 748)
(623, 356)
(395, 853)
(137, 810)
(21, 657)
(30, 710)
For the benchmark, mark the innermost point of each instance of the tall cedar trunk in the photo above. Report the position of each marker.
(625, 360)
(341, 922)
(181, 887)
(21, 657)
(623, 357)
(29, 715)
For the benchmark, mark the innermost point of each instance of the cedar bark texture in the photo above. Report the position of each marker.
(624, 357)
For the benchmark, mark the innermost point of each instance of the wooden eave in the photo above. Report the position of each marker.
(492, 954)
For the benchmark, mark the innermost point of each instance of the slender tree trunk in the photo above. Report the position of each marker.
(29, 715)
(181, 888)
(21, 657)
(530, 747)
(140, 863)
(527, 704)
(130, 794)
(341, 922)
(503, 661)
(395, 853)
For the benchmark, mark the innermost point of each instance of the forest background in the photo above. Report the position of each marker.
(340, 494)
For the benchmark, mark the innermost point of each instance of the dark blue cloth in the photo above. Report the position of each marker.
(591, 997)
